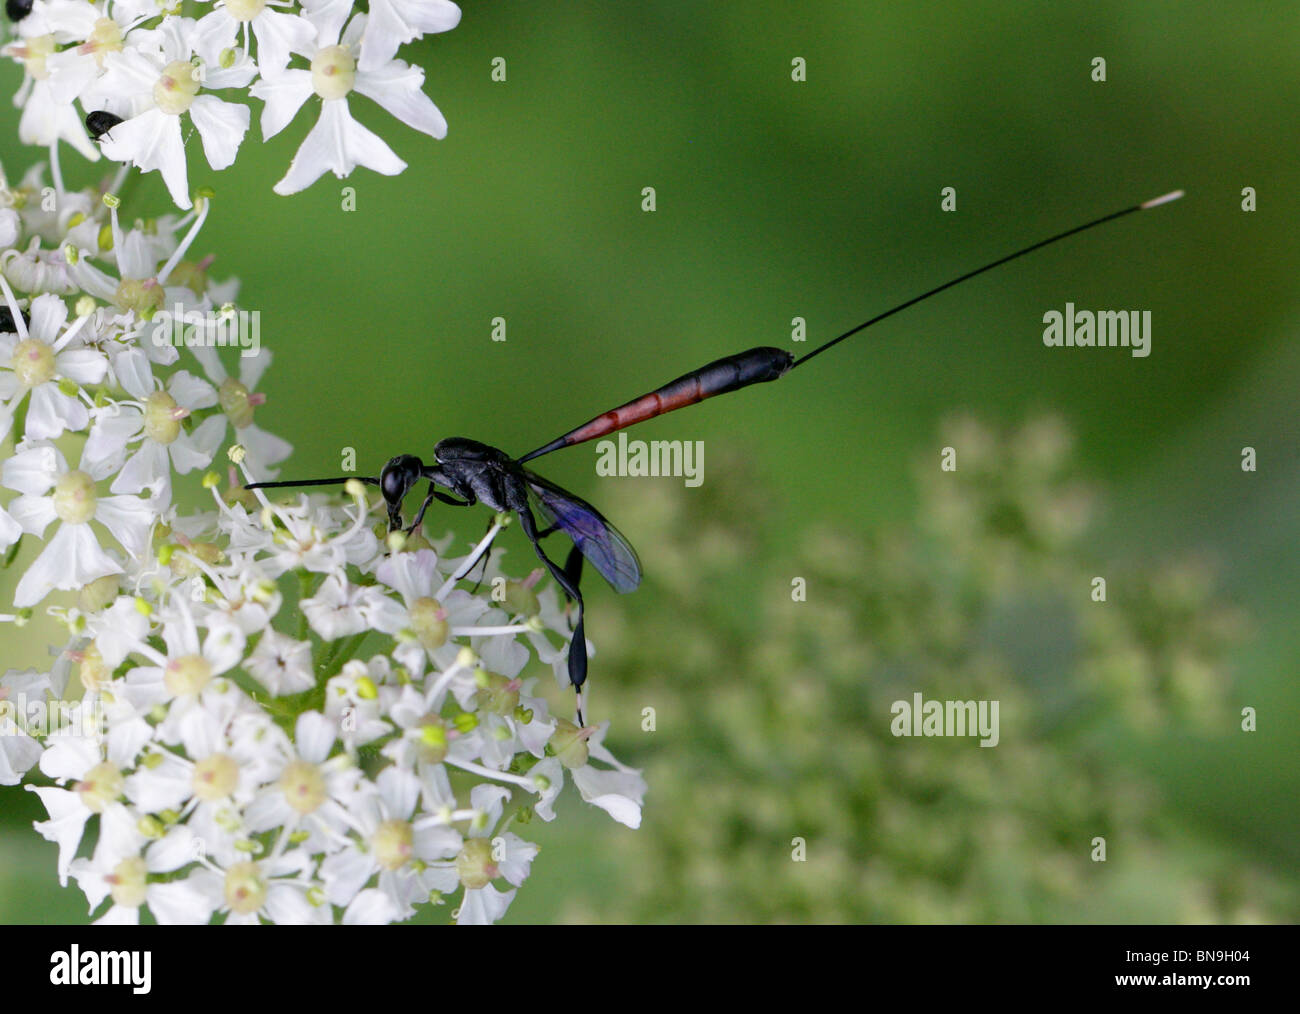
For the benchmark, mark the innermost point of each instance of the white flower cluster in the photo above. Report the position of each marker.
(269, 711)
(139, 67)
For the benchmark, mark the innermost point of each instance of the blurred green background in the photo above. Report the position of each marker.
(821, 199)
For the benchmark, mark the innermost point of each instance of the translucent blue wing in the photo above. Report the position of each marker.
(600, 542)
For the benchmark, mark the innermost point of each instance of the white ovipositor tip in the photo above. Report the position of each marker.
(1155, 202)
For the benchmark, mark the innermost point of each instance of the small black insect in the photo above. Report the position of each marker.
(100, 122)
(18, 9)
(7, 323)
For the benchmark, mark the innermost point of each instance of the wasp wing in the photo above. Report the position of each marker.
(599, 541)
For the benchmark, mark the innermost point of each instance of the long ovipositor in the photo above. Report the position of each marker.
(729, 373)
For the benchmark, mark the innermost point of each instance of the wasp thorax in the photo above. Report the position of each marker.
(176, 87)
(333, 72)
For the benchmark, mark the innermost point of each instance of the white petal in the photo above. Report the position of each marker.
(83, 366)
(70, 560)
(396, 22)
(187, 454)
(340, 144)
(224, 647)
(129, 518)
(314, 735)
(190, 391)
(105, 448)
(328, 17)
(133, 372)
(49, 313)
(284, 95)
(10, 530)
(277, 34)
(151, 141)
(33, 470)
(484, 906)
(66, 825)
(179, 903)
(396, 87)
(50, 412)
(145, 467)
(371, 908)
(251, 368)
(222, 126)
(33, 514)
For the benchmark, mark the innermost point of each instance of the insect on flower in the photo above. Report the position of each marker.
(99, 122)
(474, 472)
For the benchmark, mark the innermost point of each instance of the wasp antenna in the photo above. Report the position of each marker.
(285, 483)
(1155, 202)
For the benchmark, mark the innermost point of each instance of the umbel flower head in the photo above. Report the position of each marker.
(261, 711)
(155, 75)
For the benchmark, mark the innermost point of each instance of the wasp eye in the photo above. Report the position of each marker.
(394, 484)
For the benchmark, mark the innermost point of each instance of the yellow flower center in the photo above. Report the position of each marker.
(105, 37)
(93, 672)
(162, 417)
(101, 786)
(474, 864)
(429, 621)
(393, 843)
(233, 397)
(303, 786)
(187, 675)
(245, 10)
(32, 362)
(333, 72)
(33, 53)
(144, 297)
(74, 497)
(245, 888)
(215, 777)
(127, 882)
(176, 87)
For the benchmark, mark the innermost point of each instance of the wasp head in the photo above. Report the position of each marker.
(395, 481)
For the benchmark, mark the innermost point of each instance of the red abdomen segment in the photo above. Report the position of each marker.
(718, 377)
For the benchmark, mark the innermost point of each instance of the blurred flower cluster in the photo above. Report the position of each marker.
(773, 716)
(259, 711)
(144, 73)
